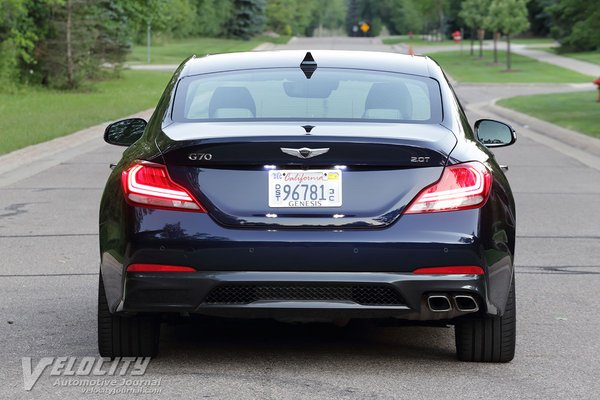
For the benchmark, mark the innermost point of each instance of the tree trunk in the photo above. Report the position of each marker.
(508, 60)
(70, 63)
(480, 33)
(442, 30)
(472, 39)
(496, 34)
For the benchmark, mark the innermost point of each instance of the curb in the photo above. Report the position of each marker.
(153, 67)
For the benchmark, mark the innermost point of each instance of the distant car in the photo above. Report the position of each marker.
(308, 186)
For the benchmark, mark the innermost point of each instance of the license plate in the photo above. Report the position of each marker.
(305, 189)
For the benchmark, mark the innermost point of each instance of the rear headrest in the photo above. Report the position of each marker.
(388, 96)
(231, 98)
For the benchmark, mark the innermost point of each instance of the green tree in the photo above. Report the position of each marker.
(329, 14)
(67, 59)
(304, 22)
(435, 14)
(113, 41)
(512, 19)
(473, 13)
(540, 19)
(403, 16)
(352, 17)
(576, 24)
(375, 13)
(247, 18)
(181, 18)
(210, 17)
(23, 23)
(76, 37)
(14, 43)
(146, 16)
(492, 23)
(280, 15)
(302, 17)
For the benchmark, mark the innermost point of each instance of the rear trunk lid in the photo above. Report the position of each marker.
(231, 169)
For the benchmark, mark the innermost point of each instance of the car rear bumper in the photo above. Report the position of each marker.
(272, 294)
(303, 260)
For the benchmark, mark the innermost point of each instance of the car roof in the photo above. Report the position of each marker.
(371, 60)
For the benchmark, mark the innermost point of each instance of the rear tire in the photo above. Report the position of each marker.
(488, 339)
(120, 336)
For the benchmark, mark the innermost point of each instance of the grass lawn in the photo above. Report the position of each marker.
(466, 68)
(35, 115)
(415, 41)
(578, 111)
(175, 51)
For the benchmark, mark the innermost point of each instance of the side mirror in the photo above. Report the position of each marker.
(125, 132)
(493, 133)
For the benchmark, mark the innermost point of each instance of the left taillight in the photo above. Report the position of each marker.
(461, 187)
(149, 185)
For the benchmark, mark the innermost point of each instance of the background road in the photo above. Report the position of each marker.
(48, 286)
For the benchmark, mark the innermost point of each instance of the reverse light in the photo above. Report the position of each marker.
(454, 270)
(462, 186)
(158, 268)
(149, 184)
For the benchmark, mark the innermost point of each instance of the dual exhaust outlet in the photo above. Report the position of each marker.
(444, 303)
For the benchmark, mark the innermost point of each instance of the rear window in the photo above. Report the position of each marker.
(286, 94)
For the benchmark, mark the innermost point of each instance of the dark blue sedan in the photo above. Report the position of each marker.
(308, 186)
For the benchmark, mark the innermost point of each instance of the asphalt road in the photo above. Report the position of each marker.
(48, 286)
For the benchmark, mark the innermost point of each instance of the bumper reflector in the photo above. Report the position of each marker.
(469, 270)
(158, 268)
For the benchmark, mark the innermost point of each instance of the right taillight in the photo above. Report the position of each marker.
(149, 185)
(462, 186)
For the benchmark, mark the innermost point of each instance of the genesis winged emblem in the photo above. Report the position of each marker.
(304, 152)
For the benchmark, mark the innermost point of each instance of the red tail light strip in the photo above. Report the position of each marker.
(158, 268)
(462, 186)
(149, 184)
(468, 270)
(156, 177)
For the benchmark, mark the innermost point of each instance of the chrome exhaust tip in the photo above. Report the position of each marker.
(466, 303)
(439, 303)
